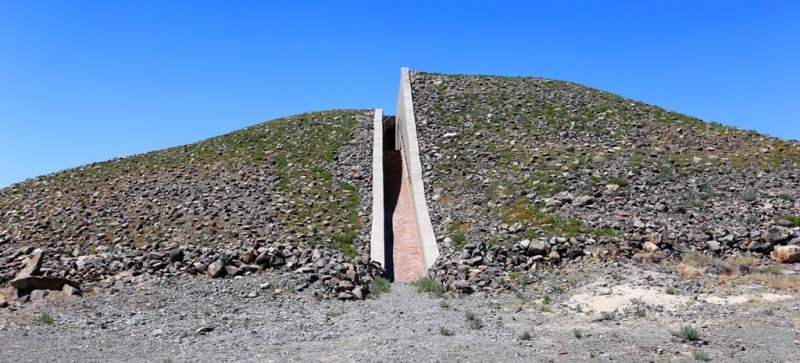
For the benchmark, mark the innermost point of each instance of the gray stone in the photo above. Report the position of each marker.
(216, 268)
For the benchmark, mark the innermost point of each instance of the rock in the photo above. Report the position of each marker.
(199, 266)
(38, 294)
(26, 284)
(358, 293)
(554, 256)
(650, 246)
(460, 286)
(176, 255)
(232, 270)
(583, 200)
(345, 295)
(537, 248)
(216, 268)
(249, 257)
(71, 291)
(776, 235)
(156, 332)
(713, 245)
(204, 329)
(786, 254)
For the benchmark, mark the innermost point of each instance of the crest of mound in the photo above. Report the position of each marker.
(300, 183)
(526, 171)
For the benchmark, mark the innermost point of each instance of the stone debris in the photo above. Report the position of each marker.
(112, 226)
(586, 175)
(786, 254)
(28, 281)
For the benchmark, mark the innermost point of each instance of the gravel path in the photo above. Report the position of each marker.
(259, 319)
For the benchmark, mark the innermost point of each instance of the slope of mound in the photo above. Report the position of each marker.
(523, 172)
(286, 194)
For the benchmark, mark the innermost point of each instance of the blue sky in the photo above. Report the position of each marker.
(84, 81)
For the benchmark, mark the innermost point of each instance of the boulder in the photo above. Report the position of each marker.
(786, 254)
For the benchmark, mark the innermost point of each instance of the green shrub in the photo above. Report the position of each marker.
(47, 319)
(687, 332)
(429, 285)
(378, 287)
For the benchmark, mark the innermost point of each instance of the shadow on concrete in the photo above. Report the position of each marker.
(392, 178)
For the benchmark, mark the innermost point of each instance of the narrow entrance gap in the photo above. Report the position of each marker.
(392, 177)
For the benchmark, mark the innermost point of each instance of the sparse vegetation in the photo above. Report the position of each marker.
(378, 287)
(687, 332)
(446, 332)
(701, 355)
(429, 285)
(525, 335)
(47, 319)
(608, 315)
(474, 321)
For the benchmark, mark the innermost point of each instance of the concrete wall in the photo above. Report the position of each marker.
(406, 139)
(376, 244)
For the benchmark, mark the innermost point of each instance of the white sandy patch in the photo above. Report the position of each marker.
(621, 295)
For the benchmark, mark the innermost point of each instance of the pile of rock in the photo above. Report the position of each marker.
(531, 171)
(172, 213)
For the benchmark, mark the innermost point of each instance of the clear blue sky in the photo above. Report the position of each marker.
(84, 81)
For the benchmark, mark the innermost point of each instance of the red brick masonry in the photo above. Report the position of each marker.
(406, 254)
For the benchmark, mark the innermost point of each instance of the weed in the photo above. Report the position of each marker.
(459, 240)
(577, 333)
(444, 304)
(559, 289)
(47, 319)
(592, 354)
(378, 287)
(749, 196)
(701, 355)
(446, 332)
(526, 335)
(344, 243)
(474, 321)
(618, 181)
(640, 312)
(608, 315)
(427, 284)
(768, 311)
(687, 332)
(578, 308)
(794, 219)
(785, 196)
(546, 299)
(336, 313)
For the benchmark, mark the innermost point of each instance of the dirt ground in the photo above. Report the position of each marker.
(589, 312)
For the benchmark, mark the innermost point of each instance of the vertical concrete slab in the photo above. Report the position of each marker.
(407, 140)
(376, 244)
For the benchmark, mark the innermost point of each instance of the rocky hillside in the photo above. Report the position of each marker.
(526, 172)
(290, 194)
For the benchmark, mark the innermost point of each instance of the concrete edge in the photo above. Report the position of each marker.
(377, 234)
(408, 132)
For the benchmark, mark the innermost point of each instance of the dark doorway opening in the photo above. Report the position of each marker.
(392, 178)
